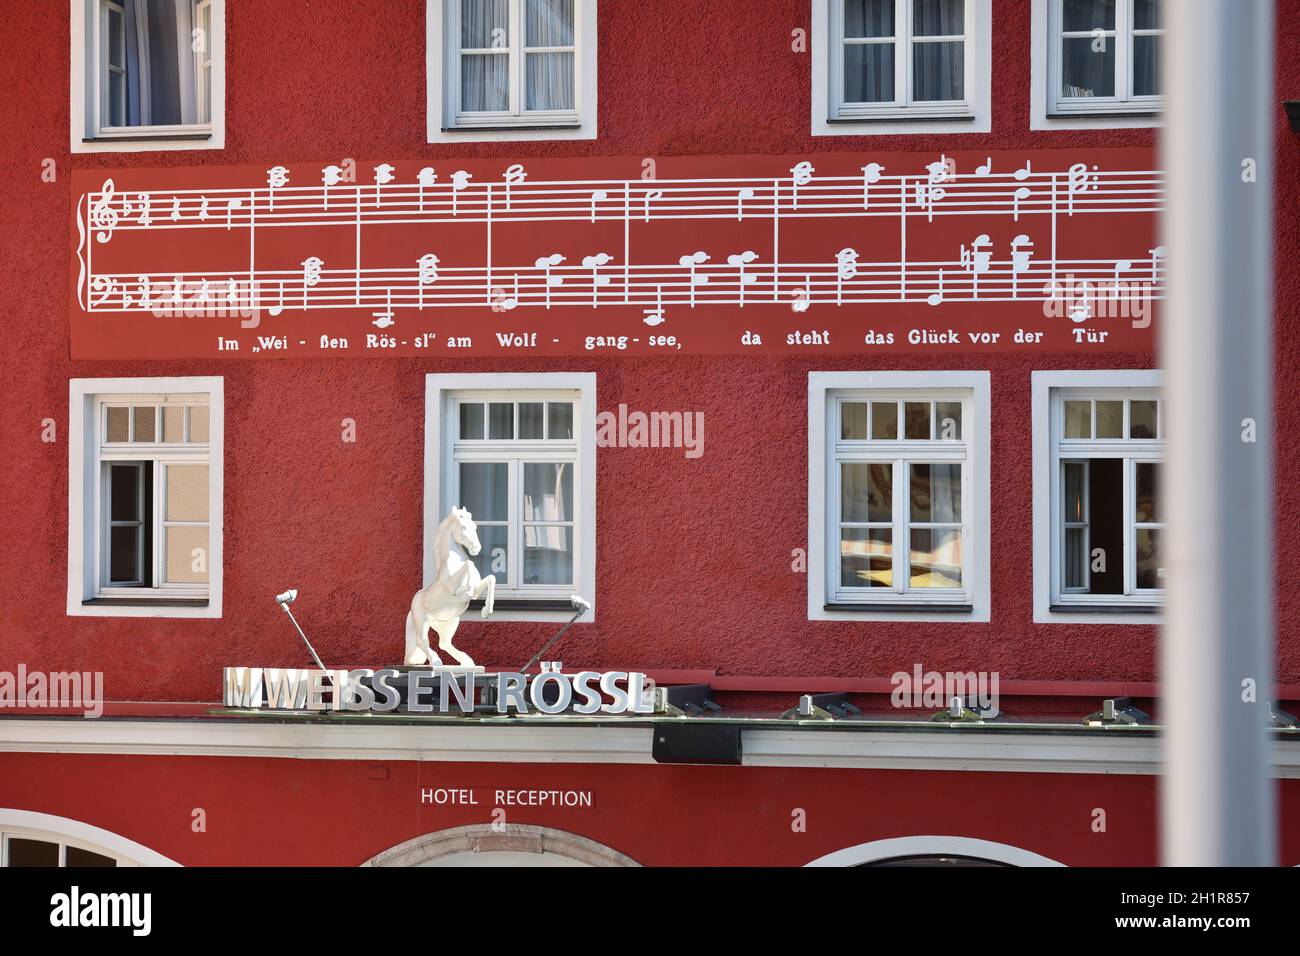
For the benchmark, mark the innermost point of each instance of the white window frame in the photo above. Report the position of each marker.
(88, 98)
(832, 117)
(1049, 389)
(442, 391)
(445, 122)
(88, 400)
(972, 389)
(1049, 111)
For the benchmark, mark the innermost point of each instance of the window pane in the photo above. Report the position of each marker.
(1146, 14)
(550, 81)
(531, 422)
(884, 420)
(1076, 558)
(935, 558)
(868, 18)
(1085, 72)
(1085, 15)
(1147, 498)
(471, 420)
(187, 554)
(174, 423)
(484, 24)
(115, 45)
(866, 491)
(559, 419)
(119, 425)
(78, 857)
(485, 490)
(199, 424)
(484, 82)
(916, 420)
(936, 493)
(124, 488)
(938, 71)
(144, 424)
(947, 420)
(166, 93)
(1146, 66)
(493, 556)
(1106, 519)
(549, 23)
(1142, 419)
(1110, 419)
(1072, 506)
(1150, 566)
(187, 492)
(116, 98)
(869, 73)
(1078, 419)
(124, 554)
(853, 420)
(937, 18)
(501, 420)
(866, 558)
(548, 555)
(32, 852)
(548, 491)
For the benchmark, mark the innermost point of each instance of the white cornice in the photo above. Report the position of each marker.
(526, 741)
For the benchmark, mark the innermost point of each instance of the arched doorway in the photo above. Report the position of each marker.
(504, 845)
(32, 839)
(933, 851)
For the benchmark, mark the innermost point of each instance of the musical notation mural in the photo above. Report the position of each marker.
(831, 252)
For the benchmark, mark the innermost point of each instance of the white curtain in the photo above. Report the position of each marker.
(485, 45)
(160, 68)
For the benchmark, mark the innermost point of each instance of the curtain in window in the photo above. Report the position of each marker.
(160, 68)
(938, 68)
(485, 76)
(549, 24)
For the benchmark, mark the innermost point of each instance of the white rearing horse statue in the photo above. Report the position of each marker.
(456, 582)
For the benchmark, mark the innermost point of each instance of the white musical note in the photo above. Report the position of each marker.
(801, 174)
(279, 306)
(1025, 171)
(870, 174)
(1157, 256)
(691, 262)
(330, 176)
(1021, 192)
(741, 196)
(846, 267)
(986, 168)
(1121, 265)
(459, 181)
(649, 197)
(1022, 250)
(384, 319)
(514, 176)
(425, 178)
(146, 300)
(231, 206)
(739, 261)
(802, 296)
(311, 273)
(427, 269)
(146, 201)
(546, 263)
(594, 263)
(1082, 306)
(506, 303)
(934, 298)
(383, 176)
(655, 316)
(598, 196)
(276, 178)
(103, 216)
(1079, 181)
(976, 260)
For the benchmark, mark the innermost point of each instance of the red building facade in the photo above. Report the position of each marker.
(325, 472)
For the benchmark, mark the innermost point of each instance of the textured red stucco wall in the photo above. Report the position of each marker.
(694, 557)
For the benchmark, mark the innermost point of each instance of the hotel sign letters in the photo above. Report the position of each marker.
(831, 253)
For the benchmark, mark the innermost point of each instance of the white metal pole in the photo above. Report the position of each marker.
(1217, 797)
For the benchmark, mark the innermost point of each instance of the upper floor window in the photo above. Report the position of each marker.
(518, 452)
(145, 497)
(512, 69)
(1103, 57)
(900, 60)
(1104, 533)
(903, 485)
(152, 73)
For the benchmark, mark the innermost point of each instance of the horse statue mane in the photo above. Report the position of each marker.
(456, 582)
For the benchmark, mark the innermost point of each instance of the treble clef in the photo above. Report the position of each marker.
(103, 216)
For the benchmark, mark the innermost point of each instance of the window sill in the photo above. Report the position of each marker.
(517, 128)
(523, 604)
(150, 138)
(902, 116)
(144, 602)
(1106, 608)
(1103, 114)
(899, 608)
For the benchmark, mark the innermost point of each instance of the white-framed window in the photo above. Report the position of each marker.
(1095, 63)
(147, 75)
(900, 66)
(145, 497)
(898, 491)
(518, 451)
(25, 848)
(511, 69)
(1099, 442)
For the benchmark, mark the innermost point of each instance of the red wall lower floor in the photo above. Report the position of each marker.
(264, 811)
